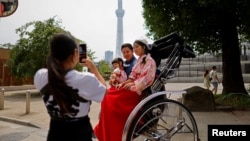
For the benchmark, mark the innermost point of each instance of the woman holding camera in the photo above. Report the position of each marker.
(67, 92)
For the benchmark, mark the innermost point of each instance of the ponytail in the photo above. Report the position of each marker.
(57, 85)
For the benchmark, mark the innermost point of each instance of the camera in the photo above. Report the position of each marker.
(82, 52)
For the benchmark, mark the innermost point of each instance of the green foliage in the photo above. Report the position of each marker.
(30, 52)
(199, 22)
(207, 26)
(236, 100)
(91, 54)
(104, 69)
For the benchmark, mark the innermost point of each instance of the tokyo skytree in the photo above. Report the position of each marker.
(119, 34)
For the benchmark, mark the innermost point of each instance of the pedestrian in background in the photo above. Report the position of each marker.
(206, 79)
(215, 80)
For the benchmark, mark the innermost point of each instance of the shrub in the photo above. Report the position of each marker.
(236, 100)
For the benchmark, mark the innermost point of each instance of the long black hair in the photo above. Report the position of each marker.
(62, 46)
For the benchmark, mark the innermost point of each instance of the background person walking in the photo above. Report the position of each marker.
(206, 80)
(215, 81)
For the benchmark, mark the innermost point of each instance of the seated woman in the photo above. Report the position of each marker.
(120, 101)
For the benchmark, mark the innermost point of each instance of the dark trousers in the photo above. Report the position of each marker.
(70, 130)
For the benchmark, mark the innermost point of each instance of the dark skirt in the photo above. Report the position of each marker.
(70, 130)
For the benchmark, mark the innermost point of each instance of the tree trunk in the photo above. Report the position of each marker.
(232, 75)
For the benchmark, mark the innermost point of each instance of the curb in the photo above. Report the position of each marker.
(224, 108)
(17, 121)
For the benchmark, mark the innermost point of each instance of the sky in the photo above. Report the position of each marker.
(93, 21)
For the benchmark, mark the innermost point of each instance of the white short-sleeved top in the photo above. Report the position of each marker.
(86, 83)
(213, 75)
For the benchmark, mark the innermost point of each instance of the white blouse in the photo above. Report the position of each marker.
(86, 83)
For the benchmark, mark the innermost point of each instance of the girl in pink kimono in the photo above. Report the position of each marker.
(121, 100)
(118, 75)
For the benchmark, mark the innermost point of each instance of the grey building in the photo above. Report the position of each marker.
(109, 56)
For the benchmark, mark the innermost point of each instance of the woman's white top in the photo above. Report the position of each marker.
(86, 83)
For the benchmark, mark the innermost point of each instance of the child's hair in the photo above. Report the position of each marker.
(118, 60)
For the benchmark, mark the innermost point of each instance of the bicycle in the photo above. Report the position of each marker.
(156, 117)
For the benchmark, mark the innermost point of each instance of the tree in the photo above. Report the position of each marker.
(209, 26)
(104, 68)
(30, 52)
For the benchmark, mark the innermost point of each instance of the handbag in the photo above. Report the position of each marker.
(211, 76)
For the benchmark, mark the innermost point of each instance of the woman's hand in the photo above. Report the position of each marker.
(125, 84)
(118, 86)
(128, 85)
(88, 63)
(113, 82)
(92, 67)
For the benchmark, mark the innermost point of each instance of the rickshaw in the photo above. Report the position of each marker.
(157, 117)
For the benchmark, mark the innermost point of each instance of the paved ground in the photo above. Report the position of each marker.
(18, 125)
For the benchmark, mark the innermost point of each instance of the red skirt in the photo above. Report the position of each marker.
(115, 109)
